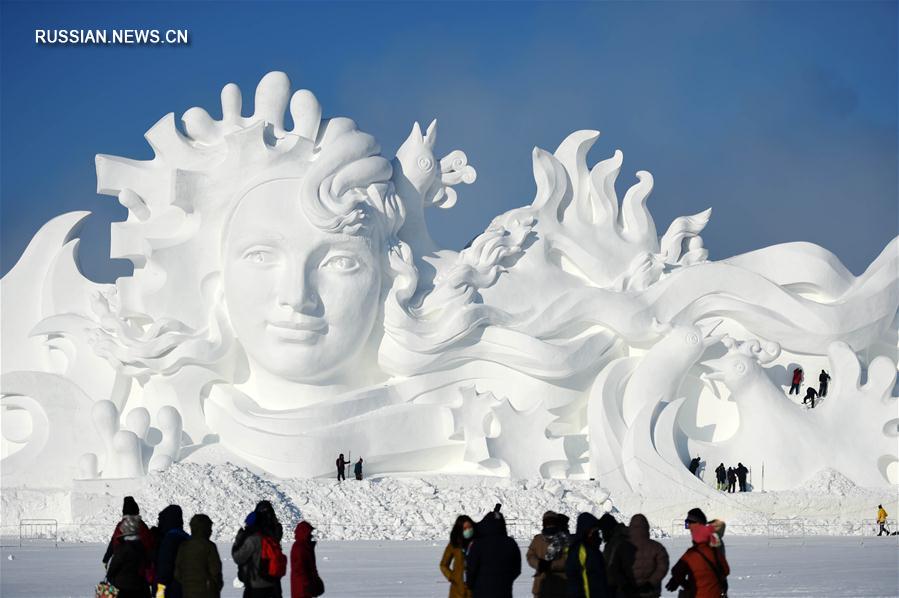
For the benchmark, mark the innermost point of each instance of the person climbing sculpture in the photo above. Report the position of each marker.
(823, 379)
(810, 394)
(694, 466)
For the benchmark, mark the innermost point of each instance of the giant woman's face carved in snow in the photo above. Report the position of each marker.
(302, 301)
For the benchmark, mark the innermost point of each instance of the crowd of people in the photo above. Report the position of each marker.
(810, 393)
(602, 559)
(726, 478)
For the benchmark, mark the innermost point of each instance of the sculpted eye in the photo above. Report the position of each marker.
(740, 367)
(341, 263)
(258, 256)
(691, 339)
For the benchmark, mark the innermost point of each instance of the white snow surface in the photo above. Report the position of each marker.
(409, 508)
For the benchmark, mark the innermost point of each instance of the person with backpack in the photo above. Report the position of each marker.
(642, 562)
(823, 380)
(341, 467)
(548, 554)
(731, 480)
(585, 568)
(702, 570)
(127, 564)
(494, 560)
(304, 579)
(131, 513)
(882, 520)
(357, 469)
(797, 381)
(452, 564)
(169, 534)
(257, 552)
(721, 477)
(198, 568)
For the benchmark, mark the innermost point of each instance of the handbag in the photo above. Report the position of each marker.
(719, 574)
(317, 587)
(106, 590)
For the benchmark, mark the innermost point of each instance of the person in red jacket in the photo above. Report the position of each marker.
(797, 381)
(702, 571)
(304, 579)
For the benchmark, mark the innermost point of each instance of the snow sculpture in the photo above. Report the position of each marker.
(288, 304)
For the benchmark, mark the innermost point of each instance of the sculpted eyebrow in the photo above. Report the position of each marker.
(257, 237)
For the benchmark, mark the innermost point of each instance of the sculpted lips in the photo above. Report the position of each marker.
(303, 330)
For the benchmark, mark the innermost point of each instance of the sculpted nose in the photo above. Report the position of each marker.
(296, 290)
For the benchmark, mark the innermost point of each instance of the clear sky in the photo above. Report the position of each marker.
(782, 116)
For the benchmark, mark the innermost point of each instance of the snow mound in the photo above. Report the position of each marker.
(830, 482)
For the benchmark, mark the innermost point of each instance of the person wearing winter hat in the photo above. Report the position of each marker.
(131, 512)
(494, 560)
(702, 570)
(547, 554)
(262, 528)
(304, 578)
(615, 536)
(585, 568)
(643, 562)
(127, 566)
(168, 534)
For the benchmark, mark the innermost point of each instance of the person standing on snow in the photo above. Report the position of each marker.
(741, 472)
(130, 511)
(702, 571)
(169, 534)
(721, 477)
(357, 469)
(452, 564)
(694, 466)
(494, 560)
(823, 379)
(547, 555)
(585, 568)
(797, 381)
(304, 579)
(615, 536)
(262, 527)
(810, 394)
(731, 480)
(643, 563)
(198, 567)
(128, 563)
(882, 520)
(341, 467)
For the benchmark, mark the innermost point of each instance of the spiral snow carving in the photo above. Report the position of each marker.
(288, 303)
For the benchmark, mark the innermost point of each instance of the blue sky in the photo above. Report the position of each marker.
(779, 115)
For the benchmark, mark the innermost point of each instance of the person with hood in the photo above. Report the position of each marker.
(823, 380)
(643, 563)
(548, 554)
(721, 477)
(341, 467)
(168, 534)
(198, 568)
(585, 568)
(131, 511)
(494, 560)
(262, 525)
(882, 520)
(797, 381)
(127, 565)
(357, 469)
(615, 535)
(741, 472)
(731, 480)
(452, 564)
(694, 466)
(702, 571)
(304, 579)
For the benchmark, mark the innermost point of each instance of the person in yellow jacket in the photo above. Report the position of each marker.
(452, 565)
(882, 520)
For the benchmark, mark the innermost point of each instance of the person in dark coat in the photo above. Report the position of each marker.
(169, 534)
(615, 535)
(810, 394)
(694, 466)
(304, 579)
(247, 551)
(357, 469)
(797, 381)
(127, 565)
(585, 567)
(341, 467)
(741, 472)
(494, 561)
(198, 568)
(823, 380)
(731, 480)
(131, 509)
(548, 554)
(643, 563)
(702, 571)
(721, 477)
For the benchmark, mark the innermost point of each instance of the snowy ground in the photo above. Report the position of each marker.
(817, 567)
